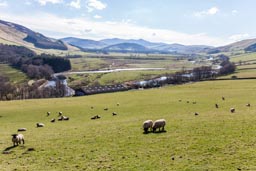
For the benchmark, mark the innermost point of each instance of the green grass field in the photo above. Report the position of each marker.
(213, 140)
(13, 74)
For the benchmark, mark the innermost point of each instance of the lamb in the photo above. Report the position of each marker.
(17, 138)
(160, 123)
(22, 129)
(53, 120)
(39, 125)
(60, 113)
(48, 113)
(147, 125)
(96, 117)
(232, 110)
(216, 105)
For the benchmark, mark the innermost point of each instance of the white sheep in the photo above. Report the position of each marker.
(22, 129)
(39, 125)
(232, 110)
(48, 113)
(147, 125)
(17, 138)
(160, 123)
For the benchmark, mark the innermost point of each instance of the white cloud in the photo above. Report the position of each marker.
(75, 4)
(95, 4)
(97, 16)
(90, 29)
(3, 4)
(44, 2)
(208, 12)
(237, 37)
(234, 12)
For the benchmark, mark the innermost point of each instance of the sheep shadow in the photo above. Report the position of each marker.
(8, 149)
(156, 132)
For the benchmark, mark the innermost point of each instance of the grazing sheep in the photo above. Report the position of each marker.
(92, 107)
(60, 118)
(106, 109)
(232, 110)
(65, 118)
(147, 125)
(39, 125)
(187, 101)
(22, 129)
(180, 100)
(53, 120)
(216, 105)
(96, 117)
(17, 138)
(114, 113)
(117, 104)
(196, 113)
(160, 123)
(248, 105)
(223, 98)
(194, 102)
(48, 113)
(60, 113)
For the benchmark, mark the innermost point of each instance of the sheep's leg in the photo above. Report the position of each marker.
(23, 141)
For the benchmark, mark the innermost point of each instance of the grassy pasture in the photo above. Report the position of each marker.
(213, 140)
(13, 74)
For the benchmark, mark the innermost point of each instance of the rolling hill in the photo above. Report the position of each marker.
(15, 34)
(243, 45)
(109, 44)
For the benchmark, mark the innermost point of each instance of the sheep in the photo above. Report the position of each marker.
(65, 118)
(216, 106)
(187, 101)
(196, 113)
(48, 113)
(160, 123)
(248, 105)
(106, 109)
(22, 129)
(223, 98)
(53, 120)
(232, 110)
(92, 107)
(39, 125)
(60, 118)
(194, 102)
(60, 113)
(147, 125)
(17, 138)
(117, 104)
(114, 113)
(96, 117)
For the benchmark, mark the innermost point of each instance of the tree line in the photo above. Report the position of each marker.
(35, 66)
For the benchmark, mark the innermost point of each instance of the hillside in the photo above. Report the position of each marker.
(126, 47)
(153, 47)
(213, 140)
(14, 34)
(237, 46)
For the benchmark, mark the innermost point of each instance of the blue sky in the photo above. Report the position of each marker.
(190, 22)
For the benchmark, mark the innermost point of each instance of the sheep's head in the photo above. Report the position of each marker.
(14, 135)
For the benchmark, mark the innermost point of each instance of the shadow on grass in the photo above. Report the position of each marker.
(157, 132)
(8, 150)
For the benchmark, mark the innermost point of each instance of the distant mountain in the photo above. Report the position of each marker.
(150, 46)
(246, 45)
(11, 33)
(84, 43)
(126, 47)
